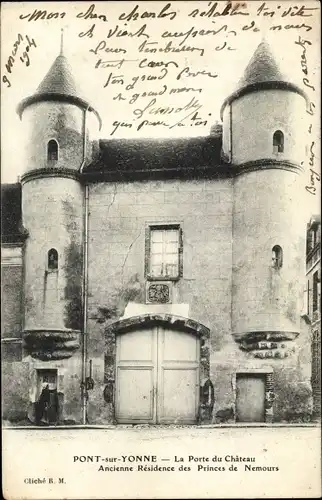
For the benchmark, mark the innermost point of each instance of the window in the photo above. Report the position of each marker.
(316, 282)
(315, 240)
(313, 235)
(164, 252)
(52, 263)
(47, 377)
(52, 150)
(277, 257)
(308, 241)
(278, 142)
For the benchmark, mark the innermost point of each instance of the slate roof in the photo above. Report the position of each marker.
(59, 79)
(262, 72)
(11, 215)
(58, 85)
(261, 68)
(153, 156)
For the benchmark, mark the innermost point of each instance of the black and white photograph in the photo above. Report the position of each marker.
(161, 250)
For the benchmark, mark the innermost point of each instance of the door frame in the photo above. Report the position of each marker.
(268, 372)
(144, 321)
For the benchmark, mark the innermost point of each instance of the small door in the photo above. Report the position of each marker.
(250, 397)
(47, 401)
(46, 377)
(157, 376)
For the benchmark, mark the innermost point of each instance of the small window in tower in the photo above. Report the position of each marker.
(52, 150)
(277, 257)
(52, 260)
(278, 142)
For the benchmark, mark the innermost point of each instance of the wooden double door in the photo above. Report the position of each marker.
(157, 376)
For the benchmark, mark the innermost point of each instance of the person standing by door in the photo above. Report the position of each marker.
(42, 405)
(52, 411)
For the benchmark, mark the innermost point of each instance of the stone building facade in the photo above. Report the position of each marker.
(313, 304)
(158, 281)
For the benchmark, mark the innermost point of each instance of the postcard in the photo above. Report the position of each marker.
(161, 250)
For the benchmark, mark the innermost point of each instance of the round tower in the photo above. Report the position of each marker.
(264, 138)
(59, 125)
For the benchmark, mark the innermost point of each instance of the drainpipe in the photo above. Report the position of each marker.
(85, 281)
(231, 131)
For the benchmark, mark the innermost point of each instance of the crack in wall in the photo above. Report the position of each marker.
(113, 199)
(128, 252)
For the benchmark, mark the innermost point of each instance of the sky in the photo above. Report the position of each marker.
(85, 50)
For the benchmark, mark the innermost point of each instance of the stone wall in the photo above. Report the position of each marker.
(252, 133)
(119, 215)
(11, 300)
(50, 120)
(15, 391)
(291, 384)
(53, 215)
(20, 386)
(265, 298)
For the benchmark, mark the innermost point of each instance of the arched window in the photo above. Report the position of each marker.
(52, 260)
(278, 142)
(277, 257)
(52, 150)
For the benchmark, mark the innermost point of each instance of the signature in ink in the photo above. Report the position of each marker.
(193, 105)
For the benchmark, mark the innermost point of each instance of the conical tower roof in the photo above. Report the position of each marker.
(261, 68)
(58, 85)
(59, 79)
(262, 72)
